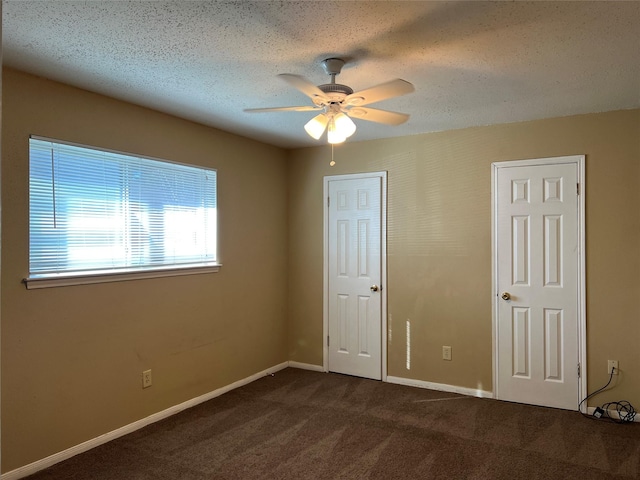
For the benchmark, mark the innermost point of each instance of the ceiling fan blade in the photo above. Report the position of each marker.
(304, 85)
(375, 115)
(393, 88)
(282, 109)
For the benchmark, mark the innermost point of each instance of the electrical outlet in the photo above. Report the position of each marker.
(446, 352)
(611, 364)
(146, 379)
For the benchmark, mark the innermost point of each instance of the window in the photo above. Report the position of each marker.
(95, 213)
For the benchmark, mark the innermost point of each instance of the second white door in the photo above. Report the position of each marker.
(537, 285)
(354, 270)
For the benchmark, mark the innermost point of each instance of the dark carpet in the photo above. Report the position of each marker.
(299, 424)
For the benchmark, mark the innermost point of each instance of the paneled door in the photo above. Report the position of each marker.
(537, 282)
(353, 273)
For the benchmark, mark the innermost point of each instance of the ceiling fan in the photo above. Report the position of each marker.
(339, 102)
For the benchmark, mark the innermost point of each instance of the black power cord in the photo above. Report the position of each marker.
(626, 412)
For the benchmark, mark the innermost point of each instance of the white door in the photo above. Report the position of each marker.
(354, 275)
(537, 267)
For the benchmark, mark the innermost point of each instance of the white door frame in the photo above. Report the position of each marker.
(383, 266)
(579, 161)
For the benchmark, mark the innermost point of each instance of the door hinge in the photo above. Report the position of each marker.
(328, 341)
(578, 188)
(328, 201)
(578, 370)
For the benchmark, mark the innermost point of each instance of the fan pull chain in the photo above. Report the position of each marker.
(332, 163)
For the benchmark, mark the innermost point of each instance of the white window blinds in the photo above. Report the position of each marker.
(95, 211)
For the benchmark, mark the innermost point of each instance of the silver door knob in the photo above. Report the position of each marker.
(506, 296)
(374, 288)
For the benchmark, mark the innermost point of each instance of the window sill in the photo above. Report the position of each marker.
(66, 280)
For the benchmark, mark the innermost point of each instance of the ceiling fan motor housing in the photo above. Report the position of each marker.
(335, 91)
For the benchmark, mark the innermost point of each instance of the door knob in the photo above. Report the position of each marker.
(506, 296)
(374, 288)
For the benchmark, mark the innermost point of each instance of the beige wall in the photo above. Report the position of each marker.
(439, 239)
(72, 357)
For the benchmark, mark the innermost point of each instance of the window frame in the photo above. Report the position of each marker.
(97, 275)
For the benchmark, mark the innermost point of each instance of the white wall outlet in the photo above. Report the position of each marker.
(146, 379)
(446, 352)
(611, 364)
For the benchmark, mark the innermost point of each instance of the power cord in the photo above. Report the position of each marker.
(626, 412)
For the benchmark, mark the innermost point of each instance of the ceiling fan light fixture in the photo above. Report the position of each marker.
(333, 134)
(316, 126)
(344, 125)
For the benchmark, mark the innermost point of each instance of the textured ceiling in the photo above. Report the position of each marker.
(472, 63)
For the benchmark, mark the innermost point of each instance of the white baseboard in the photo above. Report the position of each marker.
(46, 462)
(443, 387)
(410, 382)
(306, 366)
